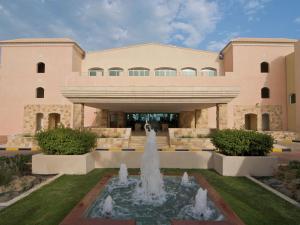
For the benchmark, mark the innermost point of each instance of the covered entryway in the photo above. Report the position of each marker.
(251, 121)
(190, 102)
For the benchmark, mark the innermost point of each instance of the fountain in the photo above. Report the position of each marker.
(152, 185)
(200, 202)
(123, 174)
(108, 206)
(150, 198)
(185, 179)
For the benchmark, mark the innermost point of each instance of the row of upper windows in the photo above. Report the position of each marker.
(188, 71)
(208, 71)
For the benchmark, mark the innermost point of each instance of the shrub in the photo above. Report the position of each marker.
(65, 141)
(13, 166)
(242, 143)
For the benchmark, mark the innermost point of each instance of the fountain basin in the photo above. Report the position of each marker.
(82, 213)
(128, 203)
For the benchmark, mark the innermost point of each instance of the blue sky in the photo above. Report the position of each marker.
(102, 24)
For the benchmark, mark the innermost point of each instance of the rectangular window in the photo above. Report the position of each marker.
(165, 72)
(114, 73)
(93, 73)
(292, 98)
(135, 72)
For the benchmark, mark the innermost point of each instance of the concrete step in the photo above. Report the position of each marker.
(139, 141)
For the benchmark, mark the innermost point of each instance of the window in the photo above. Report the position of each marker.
(40, 92)
(139, 72)
(189, 72)
(265, 92)
(209, 71)
(165, 72)
(39, 121)
(264, 67)
(292, 98)
(95, 72)
(41, 67)
(53, 120)
(251, 121)
(265, 121)
(116, 71)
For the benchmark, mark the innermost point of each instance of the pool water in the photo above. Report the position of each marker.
(127, 204)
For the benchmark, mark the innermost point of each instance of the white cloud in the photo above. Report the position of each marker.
(111, 23)
(253, 7)
(297, 20)
(218, 45)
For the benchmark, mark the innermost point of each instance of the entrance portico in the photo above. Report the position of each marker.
(190, 103)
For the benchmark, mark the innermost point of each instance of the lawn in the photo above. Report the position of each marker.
(49, 205)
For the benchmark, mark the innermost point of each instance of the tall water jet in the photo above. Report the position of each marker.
(200, 206)
(107, 206)
(185, 179)
(152, 186)
(123, 174)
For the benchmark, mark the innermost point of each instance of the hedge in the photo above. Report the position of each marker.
(65, 141)
(242, 143)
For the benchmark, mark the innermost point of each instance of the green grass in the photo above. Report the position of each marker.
(49, 205)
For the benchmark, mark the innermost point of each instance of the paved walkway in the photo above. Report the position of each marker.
(285, 157)
(11, 153)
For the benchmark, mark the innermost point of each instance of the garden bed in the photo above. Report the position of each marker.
(19, 185)
(286, 180)
(16, 177)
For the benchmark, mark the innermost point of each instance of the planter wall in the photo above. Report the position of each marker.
(244, 165)
(168, 159)
(224, 165)
(66, 164)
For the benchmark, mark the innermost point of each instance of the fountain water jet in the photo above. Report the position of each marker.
(123, 174)
(200, 206)
(108, 206)
(152, 185)
(185, 179)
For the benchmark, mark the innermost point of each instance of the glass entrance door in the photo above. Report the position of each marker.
(158, 121)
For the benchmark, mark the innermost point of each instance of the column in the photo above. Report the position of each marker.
(78, 115)
(187, 119)
(202, 118)
(221, 116)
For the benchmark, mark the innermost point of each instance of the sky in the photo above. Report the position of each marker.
(103, 24)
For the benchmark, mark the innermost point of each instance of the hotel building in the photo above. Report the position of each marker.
(252, 83)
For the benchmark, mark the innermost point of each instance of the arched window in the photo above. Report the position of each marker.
(41, 67)
(39, 121)
(251, 121)
(265, 92)
(265, 121)
(138, 71)
(40, 92)
(115, 71)
(264, 67)
(209, 71)
(292, 98)
(95, 71)
(189, 71)
(165, 72)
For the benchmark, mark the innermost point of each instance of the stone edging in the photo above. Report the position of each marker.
(23, 195)
(284, 197)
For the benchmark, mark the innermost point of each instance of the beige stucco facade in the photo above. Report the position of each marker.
(204, 89)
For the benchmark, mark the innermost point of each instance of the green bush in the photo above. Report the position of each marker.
(65, 141)
(242, 143)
